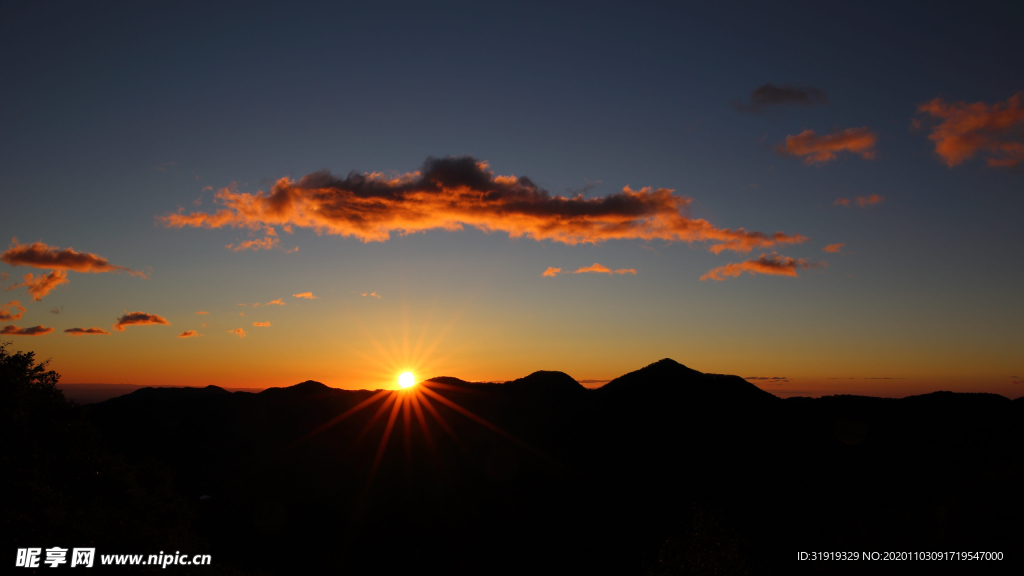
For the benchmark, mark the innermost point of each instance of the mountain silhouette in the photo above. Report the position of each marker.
(664, 470)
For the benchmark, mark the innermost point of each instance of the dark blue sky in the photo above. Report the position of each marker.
(113, 115)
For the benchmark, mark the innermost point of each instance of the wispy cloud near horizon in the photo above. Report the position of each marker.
(86, 332)
(451, 193)
(12, 330)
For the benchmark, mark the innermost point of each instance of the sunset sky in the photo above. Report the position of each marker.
(824, 200)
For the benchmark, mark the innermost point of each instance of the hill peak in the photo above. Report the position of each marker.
(547, 380)
(668, 376)
(307, 388)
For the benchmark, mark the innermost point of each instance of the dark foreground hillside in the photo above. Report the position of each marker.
(665, 470)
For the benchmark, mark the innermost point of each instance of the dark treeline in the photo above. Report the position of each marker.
(665, 470)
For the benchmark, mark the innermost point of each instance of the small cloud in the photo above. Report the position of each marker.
(241, 313)
(199, 201)
(202, 312)
(56, 310)
(40, 286)
(165, 166)
(278, 302)
(996, 130)
(203, 325)
(862, 201)
(306, 295)
(594, 268)
(240, 304)
(86, 331)
(138, 319)
(867, 201)
(773, 265)
(262, 324)
(259, 244)
(834, 248)
(268, 242)
(373, 295)
(11, 311)
(189, 334)
(783, 95)
(237, 331)
(814, 149)
(772, 379)
(12, 330)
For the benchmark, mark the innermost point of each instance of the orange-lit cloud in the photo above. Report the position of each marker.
(817, 149)
(262, 324)
(39, 255)
(40, 286)
(373, 295)
(451, 193)
(967, 129)
(862, 201)
(12, 330)
(594, 268)
(202, 312)
(773, 265)
(238, 331)
(11, 311)
(189, 334)
(86, 331)
(138, 319)
(786, 94)
(306, 295)
(278, 302)
(865, 201)
(833, 248)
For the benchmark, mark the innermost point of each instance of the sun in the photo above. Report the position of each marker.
(406, 379)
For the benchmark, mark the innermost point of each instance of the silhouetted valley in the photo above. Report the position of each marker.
(665, 470)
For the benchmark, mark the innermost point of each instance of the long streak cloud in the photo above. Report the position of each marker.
(773, 264)
(454, 192)
(39, 255)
